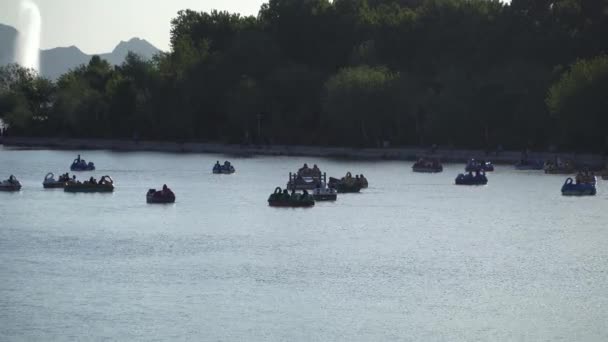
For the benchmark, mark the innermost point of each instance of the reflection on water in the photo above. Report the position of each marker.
(413, 257)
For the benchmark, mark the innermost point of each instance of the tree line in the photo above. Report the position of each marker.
(361, 73)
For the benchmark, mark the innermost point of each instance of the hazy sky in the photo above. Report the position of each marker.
(97, 26)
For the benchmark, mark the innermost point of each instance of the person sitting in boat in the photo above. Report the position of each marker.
(166, 191)
(304, 169)
(285, 194)
(78, 159)
(588, 178)
(305, 193)
(12, 179)
(217, 164)
(316, 171)
(92, 181)
(579, 178)
(226, 164)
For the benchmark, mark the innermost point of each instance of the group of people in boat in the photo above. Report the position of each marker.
(358, 179)
(164, 196)
(81, 164)
(66, 177)
(479, 165)
(293, 194)
(92, 181)
(478, 178)
(348, 183)
(12, 180)
(427, 163)
(287, 195)
(11, 184)
(585, 177)
(476, 174)
(558, 164)
(226, 168)
(283, 198)
(305, 171)
(226, 164)
(164, 192)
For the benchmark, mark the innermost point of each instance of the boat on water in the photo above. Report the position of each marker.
(105, 184)
(306, 178)
(525, 165)
(570, 188)
(10, 185)
(164, 196)
(81, 165)
(471, 179)
(50, 182)
(225, 169)
(347, 184)
(424, 165)
(282, 198)
(478, 166)
(557, 167)
(325, 194)
(298, 182)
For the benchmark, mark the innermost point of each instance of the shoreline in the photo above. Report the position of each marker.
(393, 153)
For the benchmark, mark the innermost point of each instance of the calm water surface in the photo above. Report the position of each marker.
(412, 258)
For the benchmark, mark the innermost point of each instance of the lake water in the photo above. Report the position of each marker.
(412, 258)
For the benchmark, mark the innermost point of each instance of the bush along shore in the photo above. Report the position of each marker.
(404, 153)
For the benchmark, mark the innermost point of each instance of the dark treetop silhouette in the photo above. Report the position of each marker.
(470, 73)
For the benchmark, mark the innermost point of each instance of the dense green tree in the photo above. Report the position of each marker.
(580, 103)
(471, 73)
(25, 98)
(360, 103)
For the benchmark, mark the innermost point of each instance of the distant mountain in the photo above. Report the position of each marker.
(55, 62)
(136, 45)
(8, 38)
